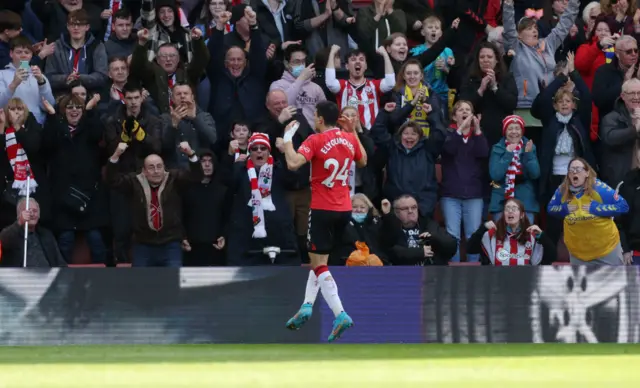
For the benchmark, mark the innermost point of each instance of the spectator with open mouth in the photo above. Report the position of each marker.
(588, 206)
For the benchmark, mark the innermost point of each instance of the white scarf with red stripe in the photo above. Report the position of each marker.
(260, 195)
(114, 6)
(513, 253)
(515, 168)
(19, 163)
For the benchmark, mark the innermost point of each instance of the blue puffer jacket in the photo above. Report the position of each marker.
(525, 184)
(410, 171)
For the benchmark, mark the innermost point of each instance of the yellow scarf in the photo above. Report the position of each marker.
(418, 114)
(136, 131)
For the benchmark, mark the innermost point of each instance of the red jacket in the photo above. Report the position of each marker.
(589, 58)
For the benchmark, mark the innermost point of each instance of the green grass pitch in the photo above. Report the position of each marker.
(371, 366)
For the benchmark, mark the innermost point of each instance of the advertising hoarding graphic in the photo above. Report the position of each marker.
(546, 304)
(251, 305)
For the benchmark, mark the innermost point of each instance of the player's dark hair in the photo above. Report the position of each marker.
(329, 111)
(131, 87)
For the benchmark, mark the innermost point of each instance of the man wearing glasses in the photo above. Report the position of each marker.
(619, 134)
(413, 239)
(261, 216)
(78, 55)
(607, 82)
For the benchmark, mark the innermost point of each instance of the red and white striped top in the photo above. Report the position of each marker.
(365, 98)
(509, 252)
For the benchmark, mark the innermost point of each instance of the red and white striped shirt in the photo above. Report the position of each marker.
(510, 252)
(365, 97)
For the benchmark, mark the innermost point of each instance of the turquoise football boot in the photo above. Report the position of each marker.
(340, 325)
(301, 317)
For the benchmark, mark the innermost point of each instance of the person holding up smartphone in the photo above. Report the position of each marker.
(20, 80)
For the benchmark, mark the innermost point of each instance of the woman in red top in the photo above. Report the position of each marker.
(591, 56)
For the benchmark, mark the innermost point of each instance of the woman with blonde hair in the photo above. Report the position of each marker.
(588, 206)
(364, 227)
(414, 100)
(362, 180)
(20, 141)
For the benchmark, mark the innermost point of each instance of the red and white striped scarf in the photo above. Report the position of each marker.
(114, 6)
(237, 153)
(515, 168)
(512, 255)
(260, 195)
(19, 163)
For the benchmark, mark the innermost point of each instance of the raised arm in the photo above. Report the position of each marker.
(509, 35)
(295, 160)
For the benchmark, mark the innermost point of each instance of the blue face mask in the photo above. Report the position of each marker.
(296, 70)
(359, 217)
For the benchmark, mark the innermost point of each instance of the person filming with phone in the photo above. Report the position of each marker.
(412, 239)
(23, 81)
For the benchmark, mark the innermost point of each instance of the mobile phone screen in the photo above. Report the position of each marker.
(24, 65)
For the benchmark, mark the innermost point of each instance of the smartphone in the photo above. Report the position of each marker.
(25, 65)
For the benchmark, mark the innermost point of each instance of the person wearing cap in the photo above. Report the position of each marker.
(513, 167)
(204, 211)
(238, 79)
(260, 215)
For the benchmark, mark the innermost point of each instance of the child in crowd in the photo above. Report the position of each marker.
(436, 73)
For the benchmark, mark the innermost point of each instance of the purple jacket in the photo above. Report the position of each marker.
(462, 174)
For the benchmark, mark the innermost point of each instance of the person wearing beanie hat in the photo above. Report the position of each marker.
(513, 167)
(260, 157)
(257, 185)
(162, 19)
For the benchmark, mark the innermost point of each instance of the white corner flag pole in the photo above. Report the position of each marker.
(26, 224)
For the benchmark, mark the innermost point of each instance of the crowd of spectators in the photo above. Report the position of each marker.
(495, 131)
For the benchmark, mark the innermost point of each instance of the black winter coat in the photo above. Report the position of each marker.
(236, 98)
(368, 232)
(74, 161)
(410, 171)
(443, 244)
(629, 223)
(494, 106)
(278, 223)
(578, 127)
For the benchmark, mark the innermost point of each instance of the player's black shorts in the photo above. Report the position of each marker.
(325, 229)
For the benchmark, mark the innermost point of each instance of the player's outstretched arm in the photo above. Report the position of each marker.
(294, 159)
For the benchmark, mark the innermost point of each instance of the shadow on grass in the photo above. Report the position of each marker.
(142, 354)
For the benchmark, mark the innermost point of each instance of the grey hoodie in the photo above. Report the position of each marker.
(92, 65)
(532, 65)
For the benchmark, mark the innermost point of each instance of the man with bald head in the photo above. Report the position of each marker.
(42, 248)
(296, 183)
(238, 80)
(156, 205)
